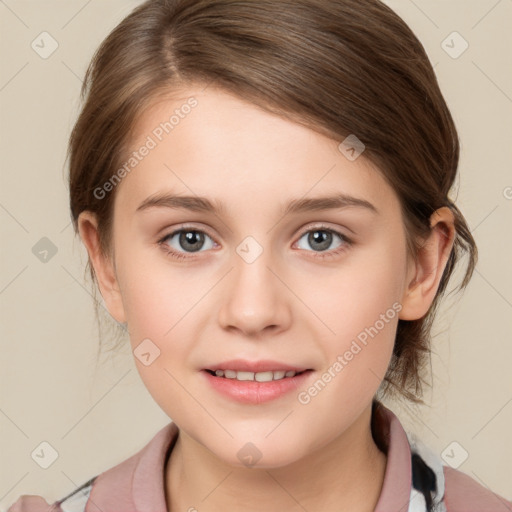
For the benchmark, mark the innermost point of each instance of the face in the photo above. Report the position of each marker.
(260, 278)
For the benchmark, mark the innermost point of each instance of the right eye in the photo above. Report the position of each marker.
(191, 240)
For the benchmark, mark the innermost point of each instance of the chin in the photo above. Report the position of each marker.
(260, 454)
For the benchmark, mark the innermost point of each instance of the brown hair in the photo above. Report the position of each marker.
(339, 67)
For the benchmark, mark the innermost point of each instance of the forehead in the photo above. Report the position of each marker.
(211, 143)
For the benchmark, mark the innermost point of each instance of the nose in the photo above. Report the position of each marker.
(255, 298)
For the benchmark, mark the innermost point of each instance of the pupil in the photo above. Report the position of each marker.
(193, 238)
(323, 236)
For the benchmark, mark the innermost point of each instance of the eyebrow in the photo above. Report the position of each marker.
(203, 204)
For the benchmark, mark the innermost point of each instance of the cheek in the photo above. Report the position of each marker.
(361, 290)
(164, 306)
(156, 295)
(159, 306)
(361, 305)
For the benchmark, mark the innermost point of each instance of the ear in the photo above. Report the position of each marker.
(426, 272)
(103, 265)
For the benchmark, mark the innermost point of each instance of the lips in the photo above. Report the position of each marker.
(256, 388)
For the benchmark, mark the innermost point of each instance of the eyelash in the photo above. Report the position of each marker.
(323, 255)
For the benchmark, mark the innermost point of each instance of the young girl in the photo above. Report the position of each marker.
(263, 191)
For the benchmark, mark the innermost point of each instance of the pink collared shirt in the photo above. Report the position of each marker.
(138, 483)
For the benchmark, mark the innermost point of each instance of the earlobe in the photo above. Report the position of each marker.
(102, 264)
(427, 269)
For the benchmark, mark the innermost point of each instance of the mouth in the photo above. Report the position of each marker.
(267, 376)
(256, 388)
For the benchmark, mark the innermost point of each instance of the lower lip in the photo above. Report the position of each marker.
(254, 392)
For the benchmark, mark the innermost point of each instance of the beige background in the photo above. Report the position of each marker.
(94, 417)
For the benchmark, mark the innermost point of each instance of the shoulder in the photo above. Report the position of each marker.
(118, 482)
(455, 491)
(31, 503)
(140, 475)
(464, 494)
(112, 484)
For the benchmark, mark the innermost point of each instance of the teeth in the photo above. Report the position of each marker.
(244, 376)
(264, 376)
(259, 376)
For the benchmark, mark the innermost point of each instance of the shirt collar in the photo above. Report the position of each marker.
(148, 488)
(392, 438)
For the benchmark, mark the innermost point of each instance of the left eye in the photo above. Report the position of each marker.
(190, 239)
(322, 238)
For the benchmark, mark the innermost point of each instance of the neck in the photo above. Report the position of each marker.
(345, 474)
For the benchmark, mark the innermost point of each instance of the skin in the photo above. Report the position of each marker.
(289, 304)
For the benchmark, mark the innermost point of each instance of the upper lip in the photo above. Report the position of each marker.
(255, 366)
